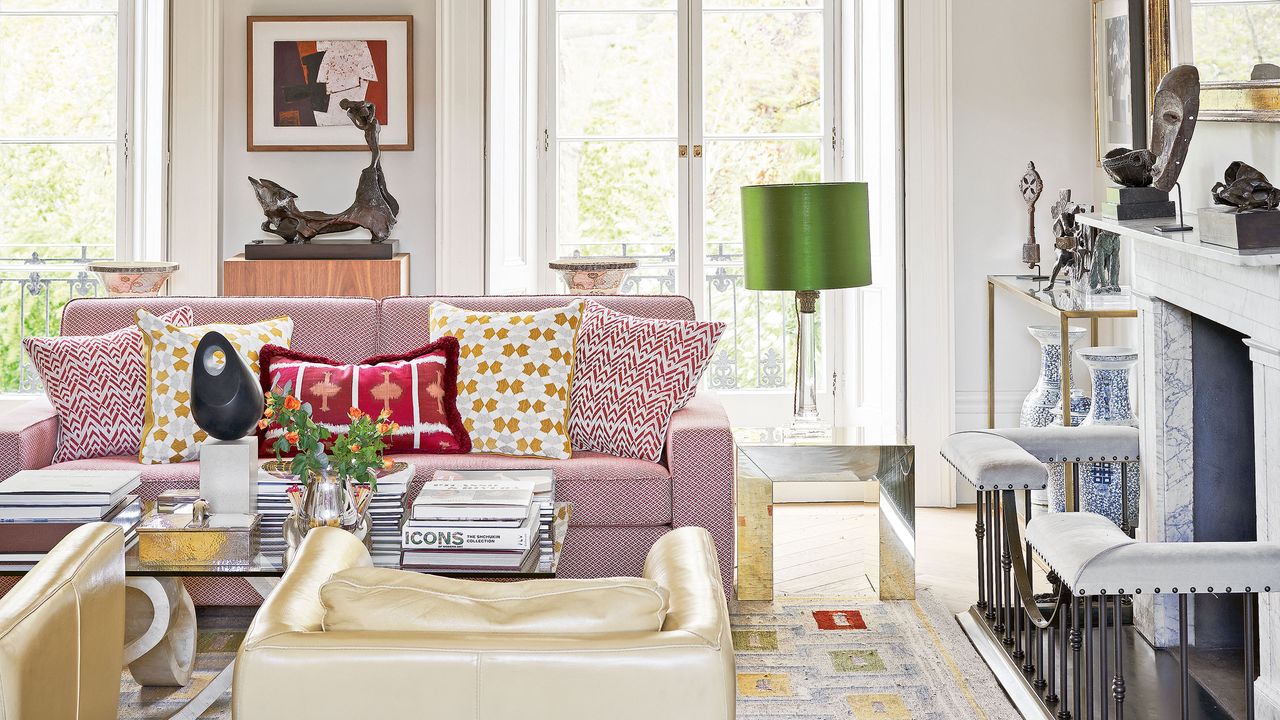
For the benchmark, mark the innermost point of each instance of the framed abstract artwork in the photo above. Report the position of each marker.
(1119, 75)
(300, 68)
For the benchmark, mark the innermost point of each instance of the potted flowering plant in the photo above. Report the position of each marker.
(338, 474)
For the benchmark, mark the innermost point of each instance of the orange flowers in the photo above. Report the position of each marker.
(263, 423)
(354, 447)
(387, 463)
(292, 437)
(355, 413)
(292, 403)
(386, 413)
(270, 412)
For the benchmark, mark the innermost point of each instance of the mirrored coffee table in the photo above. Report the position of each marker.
(767, 457)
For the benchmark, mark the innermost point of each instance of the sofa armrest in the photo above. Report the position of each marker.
(700, 458)
(28, 437)
(294, 606)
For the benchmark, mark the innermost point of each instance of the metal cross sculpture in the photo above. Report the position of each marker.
(1031, 186)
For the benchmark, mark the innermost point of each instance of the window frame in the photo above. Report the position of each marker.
(748, 405)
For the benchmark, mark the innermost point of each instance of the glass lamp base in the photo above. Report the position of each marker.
(808, 428)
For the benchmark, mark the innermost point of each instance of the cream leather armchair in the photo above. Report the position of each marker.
(289, 666)
(62, 631)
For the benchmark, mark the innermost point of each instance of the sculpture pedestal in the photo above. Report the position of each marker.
(319, 249)
(1247, 230)
(229, 475)
(1137, 203)
(377, 279)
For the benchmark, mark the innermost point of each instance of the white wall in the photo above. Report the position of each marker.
(1022, 92)
(327, 180)
(1216, 144)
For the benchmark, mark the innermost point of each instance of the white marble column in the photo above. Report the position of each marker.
(1266, 417)
(1166, 426)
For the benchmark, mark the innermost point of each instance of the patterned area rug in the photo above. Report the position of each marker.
(860, 659)
(798, 658)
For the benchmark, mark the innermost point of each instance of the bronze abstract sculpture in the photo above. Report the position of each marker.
(373, 209)
(1173, 121)
(1246, 188)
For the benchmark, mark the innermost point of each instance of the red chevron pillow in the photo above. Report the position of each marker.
(98, 386)
(632, 374)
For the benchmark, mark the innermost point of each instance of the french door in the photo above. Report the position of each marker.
(653, 114)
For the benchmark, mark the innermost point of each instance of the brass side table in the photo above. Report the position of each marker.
(1065, 306)
(766, 457)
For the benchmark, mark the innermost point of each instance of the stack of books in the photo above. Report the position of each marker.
(40, 507)
(474, 524)
(385, 510)
(544, 493)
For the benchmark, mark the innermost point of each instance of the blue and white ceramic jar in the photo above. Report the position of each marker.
(1100, 483)
(1043, 405)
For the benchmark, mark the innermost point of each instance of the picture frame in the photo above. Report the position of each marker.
(1120, 98)
(1168, 28)
(299, 68)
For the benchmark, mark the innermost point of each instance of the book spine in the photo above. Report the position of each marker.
(444, 537)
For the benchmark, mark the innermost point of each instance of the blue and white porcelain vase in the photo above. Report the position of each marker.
(1100, 483)
(1043, 405)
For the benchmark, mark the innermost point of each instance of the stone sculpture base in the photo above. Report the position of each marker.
(1137, 203)
(1248, 230)
(321, 250)
(229, 475)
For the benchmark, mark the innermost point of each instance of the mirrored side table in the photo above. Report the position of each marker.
(766, 456)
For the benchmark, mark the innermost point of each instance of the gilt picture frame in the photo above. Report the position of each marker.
(300, 68)
(1119, 75)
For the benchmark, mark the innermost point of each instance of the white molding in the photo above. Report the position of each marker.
(973, 403)
(195, 147)
(460, 136)
(930, 326)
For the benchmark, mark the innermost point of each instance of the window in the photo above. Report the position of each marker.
(63, 90)
(655, 112)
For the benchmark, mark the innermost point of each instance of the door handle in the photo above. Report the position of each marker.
(697, 151)
(684, 151)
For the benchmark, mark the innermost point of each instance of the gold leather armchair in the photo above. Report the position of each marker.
(289, 666)
(62, 631)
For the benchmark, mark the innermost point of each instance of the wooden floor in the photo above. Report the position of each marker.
(819, 550)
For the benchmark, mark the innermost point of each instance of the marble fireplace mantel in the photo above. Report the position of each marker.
(1176, 277)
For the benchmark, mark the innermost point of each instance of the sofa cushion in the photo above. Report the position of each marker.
(632, 374)
(604, 490)
(170, 433)
(417, 390)
(384, 600)
(98, 385)
(514, 376)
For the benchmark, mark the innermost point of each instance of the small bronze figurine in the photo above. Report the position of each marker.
(374, 208)
(1066, 232)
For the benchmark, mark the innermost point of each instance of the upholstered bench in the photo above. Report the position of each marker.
(999, 464)
(1096, 560)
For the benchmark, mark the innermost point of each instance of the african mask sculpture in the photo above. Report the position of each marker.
(373, 209)
(1173, 121)
(1246, 188)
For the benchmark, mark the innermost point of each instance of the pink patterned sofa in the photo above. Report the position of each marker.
(620, 506)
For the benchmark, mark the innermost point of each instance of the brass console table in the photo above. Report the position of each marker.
(1066, 306)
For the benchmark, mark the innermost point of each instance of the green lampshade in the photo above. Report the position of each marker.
(807, 236)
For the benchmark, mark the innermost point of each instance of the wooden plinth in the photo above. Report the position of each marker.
(305, 278)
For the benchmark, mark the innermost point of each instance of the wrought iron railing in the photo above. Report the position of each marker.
(33, 290)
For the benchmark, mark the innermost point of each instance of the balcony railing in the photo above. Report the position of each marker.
(33, 290)
(757, 350)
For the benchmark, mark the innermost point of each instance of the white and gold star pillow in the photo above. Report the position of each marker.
(170, 433)
(514, 375)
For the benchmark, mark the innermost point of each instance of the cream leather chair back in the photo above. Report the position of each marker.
(62, 631)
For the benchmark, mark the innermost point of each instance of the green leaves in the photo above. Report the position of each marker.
(355, 455)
